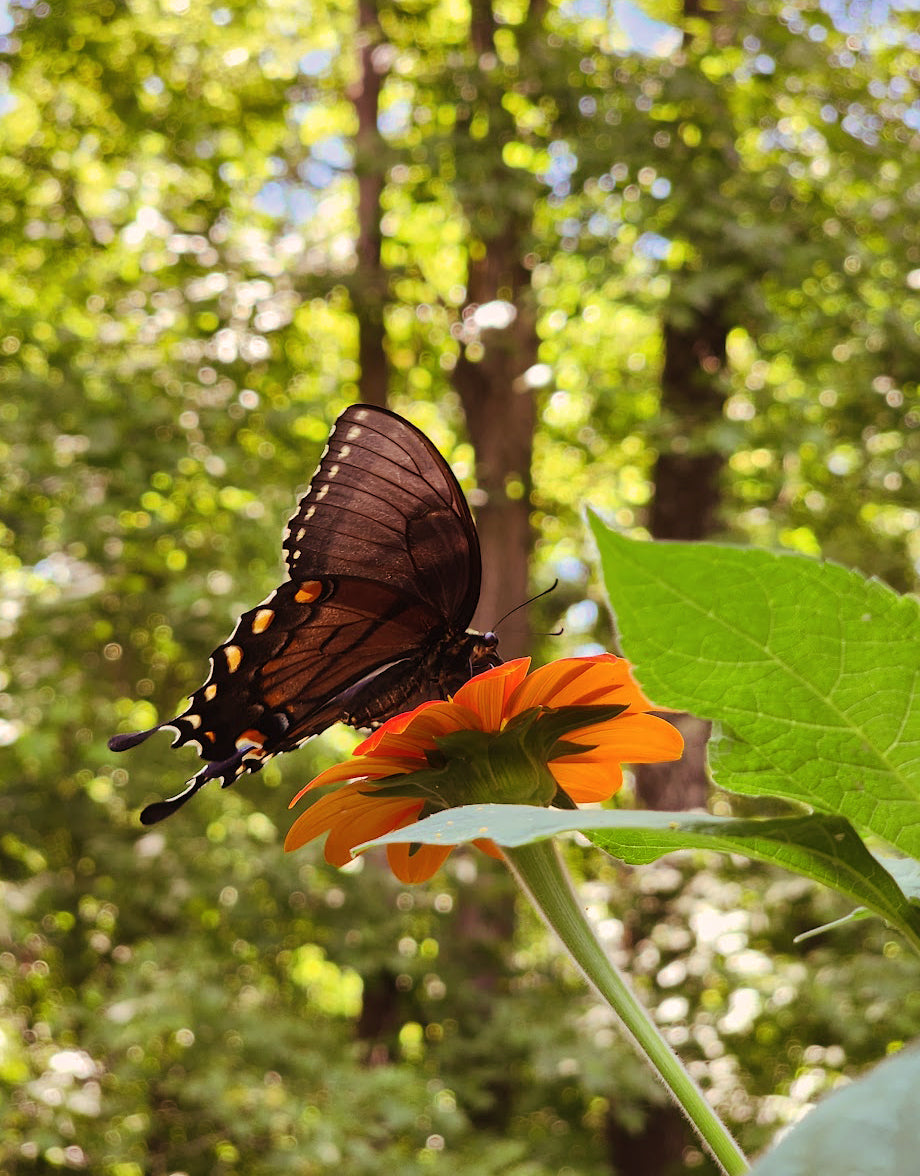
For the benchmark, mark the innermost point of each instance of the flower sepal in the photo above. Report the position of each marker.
(475, 767)
(550, 725)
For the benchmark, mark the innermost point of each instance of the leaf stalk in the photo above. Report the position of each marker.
(543, 878)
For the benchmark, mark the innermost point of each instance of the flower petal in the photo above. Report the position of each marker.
(631, 739)
(587, 782)
(397, 723)
(439, 719)
(488, 693)
(321, 816)
(487, 845)
(373, 820)
(579, 681)
(418, 866)
(355, 769)
(610, 680)
(543, 686)
(351, 816)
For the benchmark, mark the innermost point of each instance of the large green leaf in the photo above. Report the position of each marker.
(810, 670)
(868, 1129)
(825, 849)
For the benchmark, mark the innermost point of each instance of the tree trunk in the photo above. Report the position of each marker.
(500, 411)
(685, 506)
(369, 288)
(501, 417)
(687, 491)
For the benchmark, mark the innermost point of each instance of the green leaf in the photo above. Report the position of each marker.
(811, 670)
(825, 849)
(905, 871)
(867, 1129)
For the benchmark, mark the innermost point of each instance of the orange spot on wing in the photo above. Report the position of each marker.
(234, 656)
(251, 736)
(262, 619)
(308, 591)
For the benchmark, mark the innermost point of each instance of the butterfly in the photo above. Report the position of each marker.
(385, 568)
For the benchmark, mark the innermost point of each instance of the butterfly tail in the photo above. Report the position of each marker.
(228, 770)
(132, 738)
(161, 809)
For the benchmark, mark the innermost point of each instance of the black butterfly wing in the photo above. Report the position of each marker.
(385, 569)
(385, 505)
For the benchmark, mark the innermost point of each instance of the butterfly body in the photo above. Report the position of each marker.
(385, 574)
(403, 685)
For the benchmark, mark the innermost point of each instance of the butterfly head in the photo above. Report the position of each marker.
(483, 652)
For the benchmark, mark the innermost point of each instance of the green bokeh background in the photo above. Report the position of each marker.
(179, 319)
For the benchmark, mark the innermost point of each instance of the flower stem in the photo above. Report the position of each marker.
(539, 870)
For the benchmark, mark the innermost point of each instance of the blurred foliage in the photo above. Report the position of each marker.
(178, 204)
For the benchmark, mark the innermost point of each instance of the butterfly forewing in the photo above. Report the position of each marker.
(280, 676)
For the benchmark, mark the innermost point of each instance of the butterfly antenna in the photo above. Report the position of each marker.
(545, 592)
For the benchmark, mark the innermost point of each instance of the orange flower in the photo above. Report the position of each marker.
(556, 736)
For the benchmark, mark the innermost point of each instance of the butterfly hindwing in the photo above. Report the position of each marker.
(385, 503)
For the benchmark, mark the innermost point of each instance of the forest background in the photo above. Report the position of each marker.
(665, 262)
